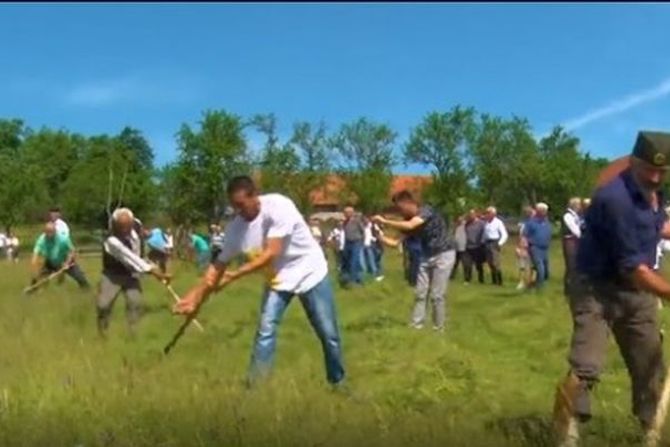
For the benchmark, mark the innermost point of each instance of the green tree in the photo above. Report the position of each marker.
(279, 166)
(210, 156)
(442, 142)
(53, 153)
(366, 152)
(12, 133)
(110, 172)
(22, 194)
(310, 142)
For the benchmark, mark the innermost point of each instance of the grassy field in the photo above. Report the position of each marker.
(488, 381)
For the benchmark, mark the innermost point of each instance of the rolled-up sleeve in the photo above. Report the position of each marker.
(619, 216)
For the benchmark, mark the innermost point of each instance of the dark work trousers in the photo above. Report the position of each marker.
(599, 307)
(473, 256)
(570, 258)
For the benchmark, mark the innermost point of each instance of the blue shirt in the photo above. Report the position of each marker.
(538, 232)
(621, 230)
(157, 240)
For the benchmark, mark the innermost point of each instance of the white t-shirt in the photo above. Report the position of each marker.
(300, 266)
(3, 240)
(62, 227)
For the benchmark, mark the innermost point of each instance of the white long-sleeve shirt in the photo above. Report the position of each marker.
(573, 222)
(126, 256)
(495, 231)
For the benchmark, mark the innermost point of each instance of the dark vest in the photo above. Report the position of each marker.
(109, 263)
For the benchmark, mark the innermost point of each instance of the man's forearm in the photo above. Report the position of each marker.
(253, 266)
(650, 281)
(401, 225)
(390, 241)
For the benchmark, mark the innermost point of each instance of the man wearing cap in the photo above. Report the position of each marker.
(537, 231)
(615, 287)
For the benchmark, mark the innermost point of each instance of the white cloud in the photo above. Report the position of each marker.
(136, 90)
(620, 105)
(102, 93)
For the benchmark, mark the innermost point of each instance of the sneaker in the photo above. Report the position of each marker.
(438, 329)
(416, 326)
(520, 286)
(379, 278)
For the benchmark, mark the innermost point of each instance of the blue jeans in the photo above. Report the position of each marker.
(370, 257)
(351, 262)
(540, 259)
(379, 252)
(319, 306)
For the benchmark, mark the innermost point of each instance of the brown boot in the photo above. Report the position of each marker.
(566, 424)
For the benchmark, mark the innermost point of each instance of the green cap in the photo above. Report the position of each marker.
(653, 147)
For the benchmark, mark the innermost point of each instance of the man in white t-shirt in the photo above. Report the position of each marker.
(273, 235)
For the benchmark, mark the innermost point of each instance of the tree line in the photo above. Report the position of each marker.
(475, 159)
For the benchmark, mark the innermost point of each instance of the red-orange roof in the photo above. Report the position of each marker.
(331, 193)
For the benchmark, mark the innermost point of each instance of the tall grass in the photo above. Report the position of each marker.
(488, 381)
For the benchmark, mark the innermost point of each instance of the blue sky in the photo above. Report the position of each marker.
(601, 70)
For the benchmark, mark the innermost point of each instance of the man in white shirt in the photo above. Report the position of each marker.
(337, 240)
(571, 232)
(62, 228)
(494, 237)
(122, 266)
(274, 236)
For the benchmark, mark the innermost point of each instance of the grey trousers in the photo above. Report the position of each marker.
(110, 287)
(631, 315)
(433, 280)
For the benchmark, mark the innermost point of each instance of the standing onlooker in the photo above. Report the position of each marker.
(4, 245)
(216, 238)
(12, 247)
(336, 239)
(157, 243)
(354, 231)
(369, 258)
(538, 233)
(586, 203)
(461, 240)
(571, 232)
(378, 249)
(474, 248)
(169, 242)
(438, 255)
(201, 250)
(56, 217)
(494, 237)
(411, 258)
(522, 254)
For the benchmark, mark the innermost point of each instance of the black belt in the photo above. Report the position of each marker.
(490, 241)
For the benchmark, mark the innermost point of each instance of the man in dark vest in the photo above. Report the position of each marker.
(121, 267)
(571, 231)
